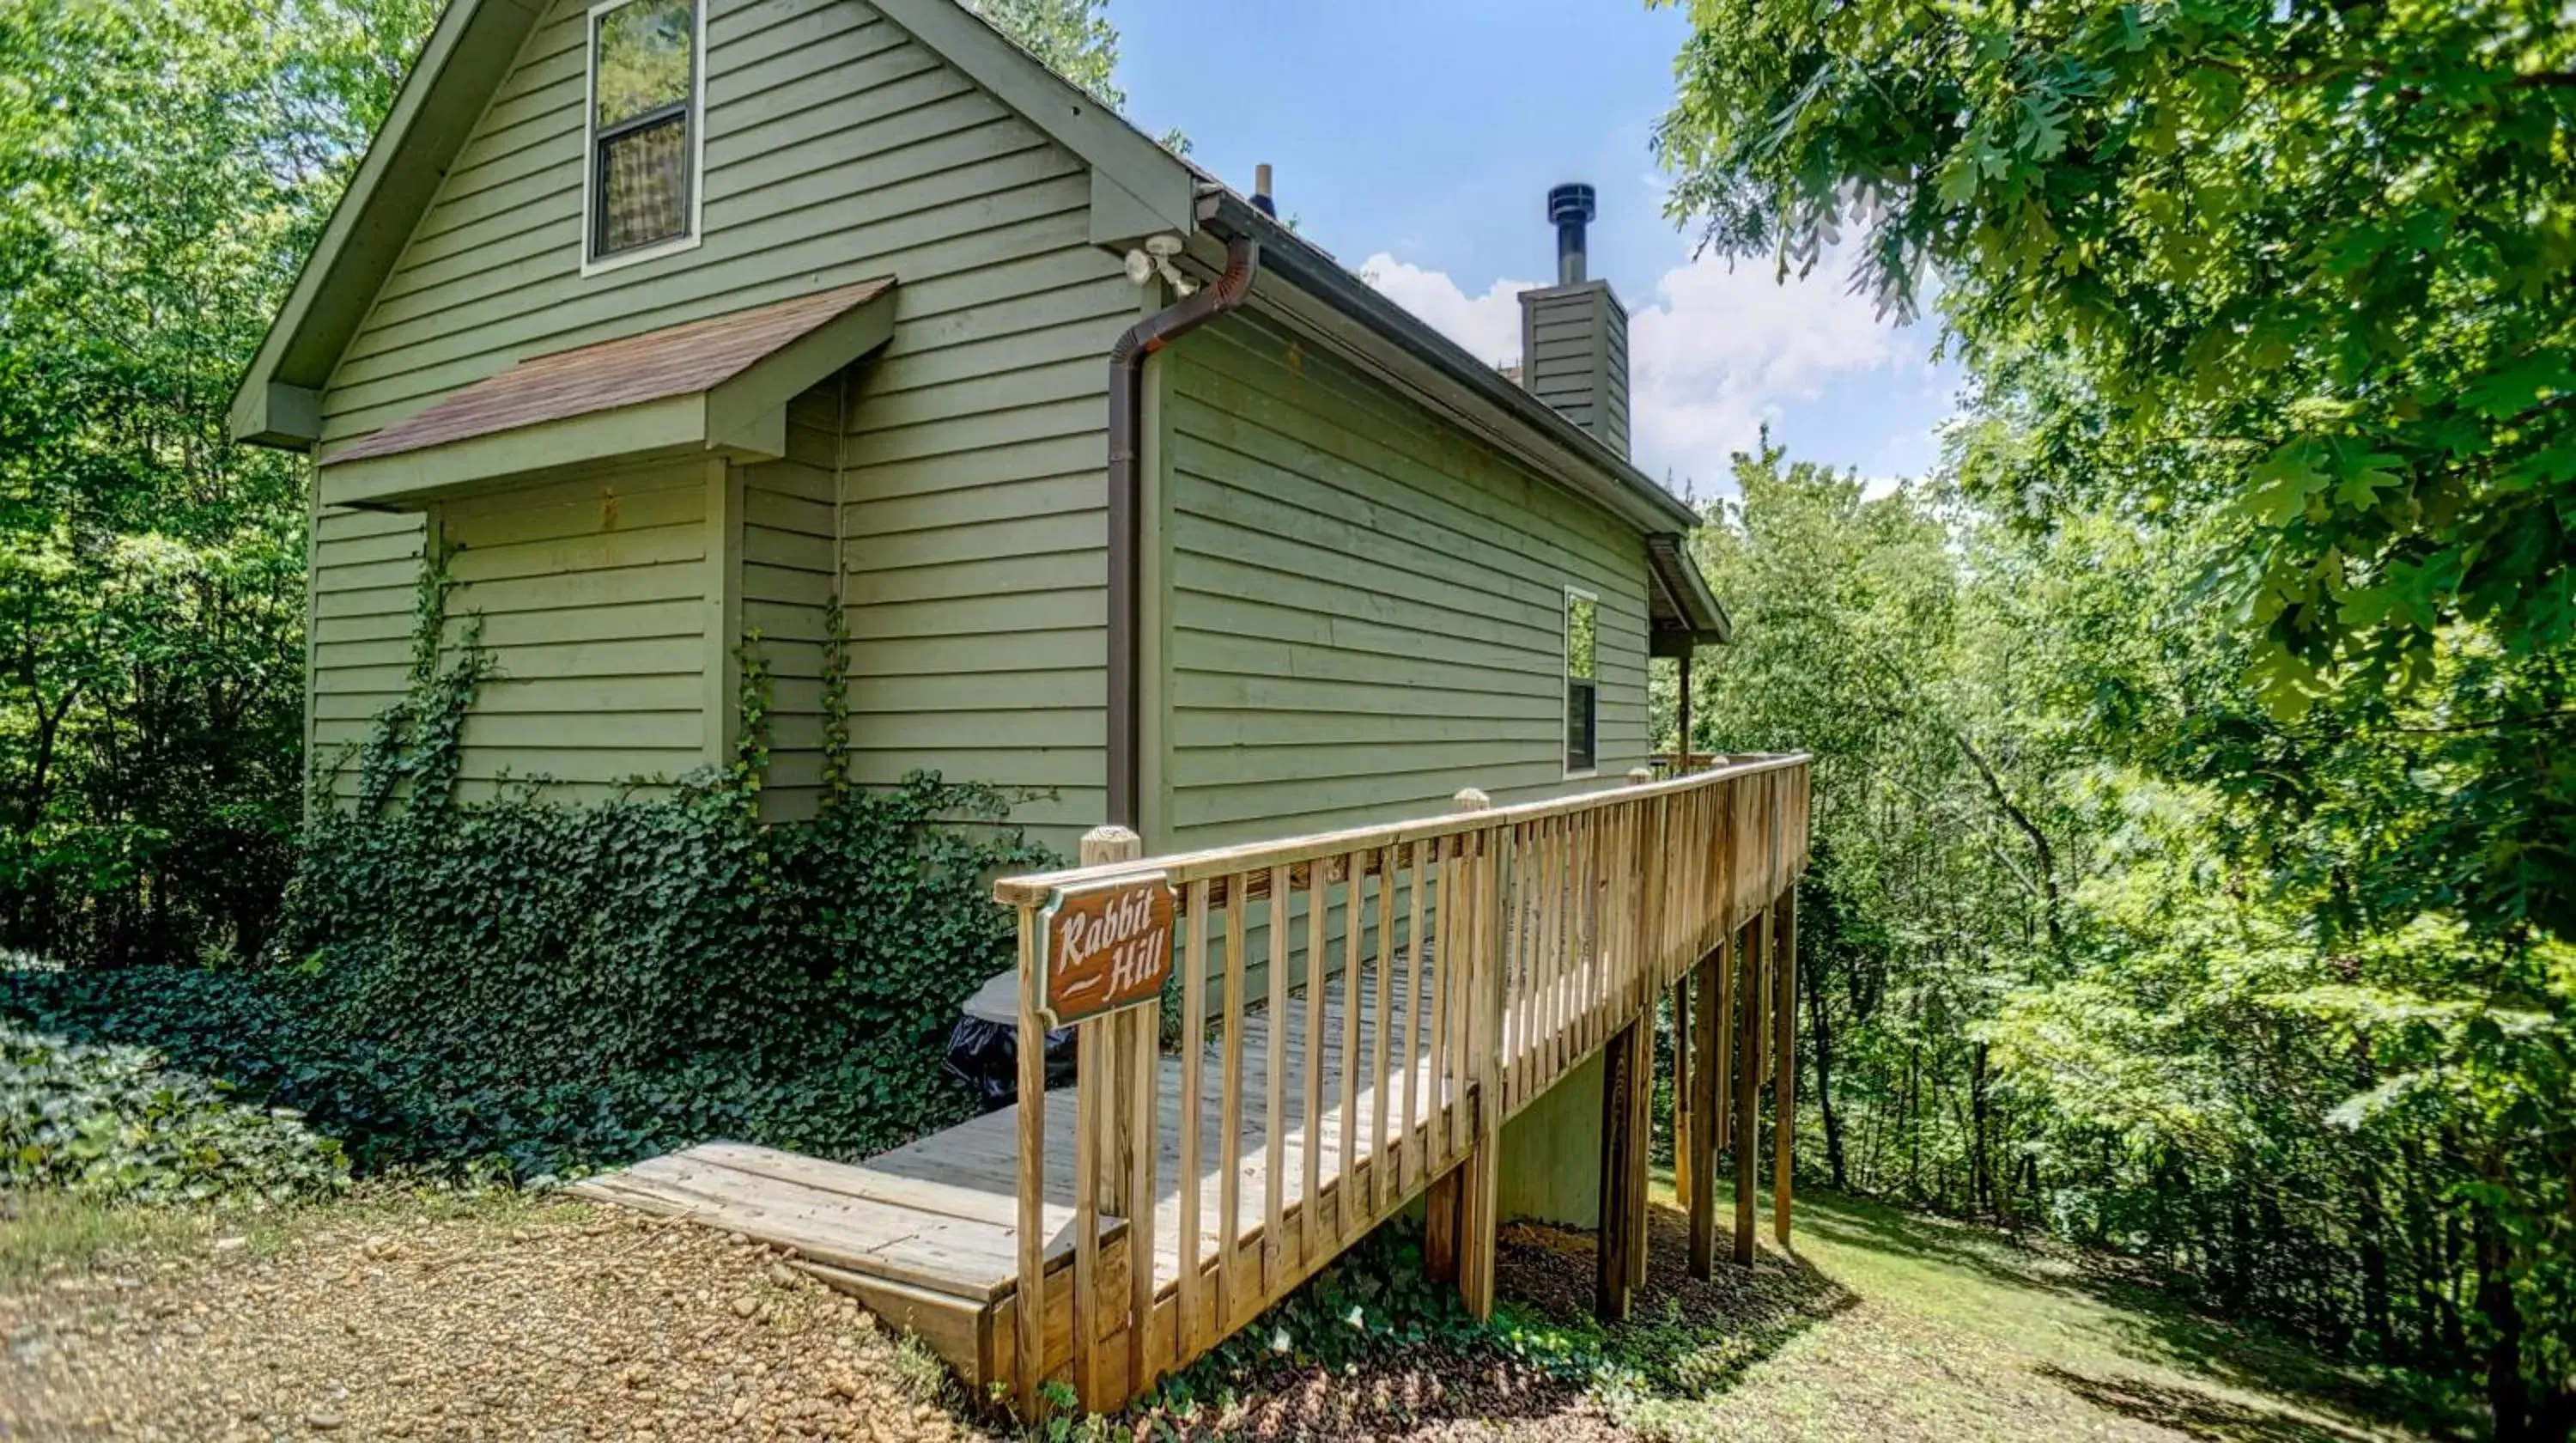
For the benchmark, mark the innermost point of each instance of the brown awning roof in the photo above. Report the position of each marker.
(657, 365)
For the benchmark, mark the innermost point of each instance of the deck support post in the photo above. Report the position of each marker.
(1748, 1085)
(1440, 1226)
(1626, 1119)
(1784, 1080)
(1684, 1094)
(1698, 1160)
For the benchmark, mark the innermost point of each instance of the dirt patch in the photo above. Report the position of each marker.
(566, 1322)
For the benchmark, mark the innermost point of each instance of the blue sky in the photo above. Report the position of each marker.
(1416, 141)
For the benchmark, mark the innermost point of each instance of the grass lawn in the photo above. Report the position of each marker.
(1881, 1327)
(1886, 1326)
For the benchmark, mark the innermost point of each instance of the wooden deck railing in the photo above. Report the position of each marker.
(1383, 998)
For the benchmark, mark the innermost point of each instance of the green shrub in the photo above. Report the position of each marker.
(518, 986)
(113, 1122)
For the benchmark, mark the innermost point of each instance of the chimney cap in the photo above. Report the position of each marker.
(1570, 202)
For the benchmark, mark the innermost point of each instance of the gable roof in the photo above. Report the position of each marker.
(1138, 187)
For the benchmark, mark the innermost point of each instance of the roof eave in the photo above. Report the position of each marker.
(1628, 492)
(1703, 617)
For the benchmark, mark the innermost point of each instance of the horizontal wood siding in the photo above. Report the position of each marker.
(366, 590)
(592, 599)
(789, 537)
(1366, 605)
(970, 467)
(837, 149)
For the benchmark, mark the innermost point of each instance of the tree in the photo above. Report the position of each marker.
(2279, 301)
(1074, 38)
(170, 166)
(2324, 256)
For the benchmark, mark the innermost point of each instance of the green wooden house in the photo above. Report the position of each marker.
(659, 323)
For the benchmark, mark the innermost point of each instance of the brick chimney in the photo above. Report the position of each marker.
(1574, 334)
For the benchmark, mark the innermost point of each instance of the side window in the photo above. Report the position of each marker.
(645, 88)
(1582, 683)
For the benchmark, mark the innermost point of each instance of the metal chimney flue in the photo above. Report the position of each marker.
(1570, 208)
(1261, 200)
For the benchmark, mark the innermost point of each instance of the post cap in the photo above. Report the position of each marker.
(1111, 843)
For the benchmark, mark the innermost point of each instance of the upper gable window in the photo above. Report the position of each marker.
(646, 88)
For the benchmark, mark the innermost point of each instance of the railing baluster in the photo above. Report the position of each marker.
(1412, 1158)
(1465, 919)
(1436, 1046)
(1551, 1025)
(1352, 890)
(1585, 934)
(1193, 1069)
(1318, 903)
(1231, 1306)
(1090, 1131)
(1274, 1087)
(1527, 901)
(1382, 1194)
(1143, 1127)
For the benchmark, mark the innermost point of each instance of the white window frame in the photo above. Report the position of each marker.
(591, 264)
(1565, 680)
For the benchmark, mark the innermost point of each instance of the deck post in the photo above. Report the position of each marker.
(1458, 1211)
(1748, 1085)
(1104, 1155)
(1685, 1029)
(1480, 1191)
(1029, 1328)
(1614, 1266)
(1699, 1162)
(1784, 1080)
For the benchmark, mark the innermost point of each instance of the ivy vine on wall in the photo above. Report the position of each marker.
(462, 978)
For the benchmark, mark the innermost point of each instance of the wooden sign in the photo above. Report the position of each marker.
(1107, 946)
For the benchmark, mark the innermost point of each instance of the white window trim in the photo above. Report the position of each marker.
(595, 265)
(1565, 680)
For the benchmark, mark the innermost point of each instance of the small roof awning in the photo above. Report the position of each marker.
(721, 384)
(1681, 611)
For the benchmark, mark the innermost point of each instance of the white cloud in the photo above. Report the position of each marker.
(1489, 326)
(1714, 354)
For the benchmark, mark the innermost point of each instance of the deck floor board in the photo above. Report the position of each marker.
(941, 1212)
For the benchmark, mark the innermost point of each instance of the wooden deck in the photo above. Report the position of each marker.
(927, 1234)
(1465, 965)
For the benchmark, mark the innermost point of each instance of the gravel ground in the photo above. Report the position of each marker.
(556, 1322)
